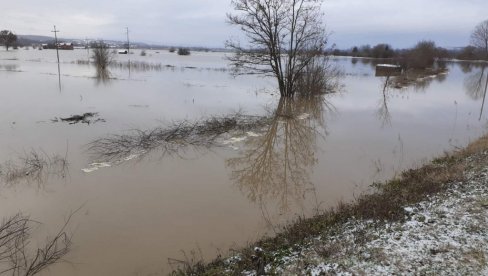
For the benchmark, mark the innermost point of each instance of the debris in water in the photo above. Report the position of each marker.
(86, 118)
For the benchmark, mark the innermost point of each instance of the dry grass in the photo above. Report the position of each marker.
(476, 147)
(386, 204)
(143, 66)
(191, 264)
(137, 65)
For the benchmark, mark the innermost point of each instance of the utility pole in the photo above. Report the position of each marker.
(128, 47)
(56, 41)
(128, 43)
(87, 48)
(57, 52)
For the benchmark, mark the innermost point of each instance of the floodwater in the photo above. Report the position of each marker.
(136, 211)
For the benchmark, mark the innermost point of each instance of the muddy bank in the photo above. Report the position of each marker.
(431, 219)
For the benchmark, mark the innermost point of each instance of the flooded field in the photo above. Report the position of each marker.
(175, 155)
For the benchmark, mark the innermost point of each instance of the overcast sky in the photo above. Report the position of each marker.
(202, 22)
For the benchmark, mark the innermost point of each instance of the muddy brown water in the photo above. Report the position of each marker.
(137, 213)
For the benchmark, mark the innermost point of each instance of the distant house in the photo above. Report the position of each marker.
(65, 46)
(61, 46)
(387, 70)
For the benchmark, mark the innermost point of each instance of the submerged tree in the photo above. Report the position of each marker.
(284, 36)
(102, 57)
(7, 38)
(183, 52)
(479, 37)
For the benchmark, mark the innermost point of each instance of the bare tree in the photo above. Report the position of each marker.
(284, 36)
(479, 37)
(7, 38)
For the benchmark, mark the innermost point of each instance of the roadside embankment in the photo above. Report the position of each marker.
(430, 220)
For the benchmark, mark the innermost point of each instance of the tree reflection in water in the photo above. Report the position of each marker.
(276, 164)
(383, 112)
(390, 87)
(476, 85)
(102, 76)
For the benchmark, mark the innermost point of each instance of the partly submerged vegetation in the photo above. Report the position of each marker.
(183, 52)
(18, 253)
(33, 167)
(172, 139)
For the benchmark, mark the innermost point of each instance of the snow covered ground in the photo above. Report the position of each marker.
(444, 235)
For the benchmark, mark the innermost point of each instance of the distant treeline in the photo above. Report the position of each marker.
(423, 49)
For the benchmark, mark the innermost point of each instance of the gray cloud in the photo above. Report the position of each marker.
(202, 22)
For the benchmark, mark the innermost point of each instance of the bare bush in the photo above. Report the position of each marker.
(422, 55)
(102, 55)
(33, 167)
(183, 52)
(172, 139)
(469, 53)
(319, 77)
(17, 254)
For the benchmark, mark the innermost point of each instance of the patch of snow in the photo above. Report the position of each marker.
(303, 116)
(388, 65)
(95, 166)
(408, 209)
(130, 157)
(234, 140)
(253, 134)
